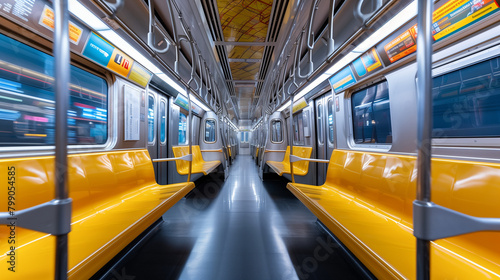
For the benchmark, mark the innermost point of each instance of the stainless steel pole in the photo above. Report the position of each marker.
(424, 139)
(62, 75)
(189, 134)
(291, 138)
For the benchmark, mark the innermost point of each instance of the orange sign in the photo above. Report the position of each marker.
(47, 21)
(120, 63)
(402, 45)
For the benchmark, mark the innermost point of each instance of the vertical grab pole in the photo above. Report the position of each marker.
(189, 134)
(62, 72)
(291, 138)
(424, 144)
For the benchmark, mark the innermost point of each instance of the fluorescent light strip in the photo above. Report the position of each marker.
(392, 25)
(197, 102)
(284, 106)
(86, 16)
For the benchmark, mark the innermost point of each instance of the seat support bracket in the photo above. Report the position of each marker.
(53, 217)
(432, 222)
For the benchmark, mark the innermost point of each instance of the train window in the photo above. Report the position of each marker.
(182, 129)
(276, 131)
(244, 137)
(210, 131)
(298, 129)
(151, 119)
(371, 115)
(320, 123)
(330, 121)
(27, 116)
(163, 122)
(467, 102)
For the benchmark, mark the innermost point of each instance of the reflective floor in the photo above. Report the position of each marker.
(239, 229)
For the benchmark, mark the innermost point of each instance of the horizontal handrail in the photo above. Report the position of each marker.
(296, 158)
(212, 151)
(275, 151)
(186, 158)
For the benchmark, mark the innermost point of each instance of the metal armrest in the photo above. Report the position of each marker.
(212, 151)
(296, 158)
(186, 158)
(275, 151)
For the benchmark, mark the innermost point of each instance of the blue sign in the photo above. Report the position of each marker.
(182, 102)
(343, 79)
(98, 50)
(360, 67)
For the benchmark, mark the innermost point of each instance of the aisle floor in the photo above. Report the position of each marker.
(243, 228)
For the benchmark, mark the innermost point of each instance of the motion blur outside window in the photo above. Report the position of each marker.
(467, 102)
(210, 130)
(371, 115)
(182, 129)
(151, 119)
(276, 131)
(27, 100)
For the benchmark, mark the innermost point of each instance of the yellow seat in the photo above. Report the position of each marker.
(115, 198)
(300, 168)
(198, 165)
(367, 199)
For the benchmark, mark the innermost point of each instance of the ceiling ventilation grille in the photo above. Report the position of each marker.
(210, 9)
(272, 35)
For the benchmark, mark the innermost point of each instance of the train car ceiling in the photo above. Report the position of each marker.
(248, 56)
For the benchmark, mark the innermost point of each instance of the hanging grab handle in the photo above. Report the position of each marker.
(310, 42)
(292, 71)
(152, 25)
(310, 64)
(193, 63)
(115, 7)
(364, 17)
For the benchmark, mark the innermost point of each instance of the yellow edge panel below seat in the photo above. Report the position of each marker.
(367, 199)
(115, 198)
(300, 168)
(198, 164)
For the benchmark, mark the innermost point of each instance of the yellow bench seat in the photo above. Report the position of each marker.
(300, 168)
(115, 198)
(198, 164)
(367, 199)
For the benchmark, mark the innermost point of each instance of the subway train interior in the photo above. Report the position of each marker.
(249, 139)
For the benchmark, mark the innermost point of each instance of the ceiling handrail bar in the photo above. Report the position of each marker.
(330, 41)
